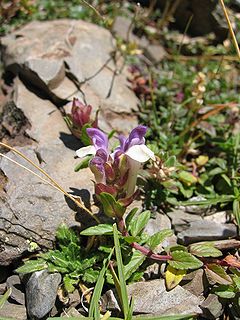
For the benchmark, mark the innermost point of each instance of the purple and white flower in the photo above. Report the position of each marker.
(133, 148)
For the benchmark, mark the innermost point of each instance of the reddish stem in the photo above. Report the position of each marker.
(145, 251)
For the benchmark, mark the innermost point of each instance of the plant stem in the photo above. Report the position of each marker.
(145, 251)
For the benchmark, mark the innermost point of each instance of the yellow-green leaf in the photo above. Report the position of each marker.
(202, 160)
(173, 277)
(187, 178)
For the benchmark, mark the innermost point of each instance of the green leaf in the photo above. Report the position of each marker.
(177, 247)
(31, 266)
(94, 305)
(217, 274)
(236, 281)
(135, 262)
(131, 239)
(83, 164)
(69, 283)
(204, 249)
(158, 238)
(171, 162)
(84, 136)
(187, 178)
(98, 230)
(139, 223)
(90, 275)
(183, 260)
(225, 291)
(236, 210)
(65, 235)
(4, 298)
(111, 207)
(123, 295)
(130, 216)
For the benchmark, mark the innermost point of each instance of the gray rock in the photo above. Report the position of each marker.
(219, 217)
(196, 282)
(155, 52)
(181, 219)
(212, 307)
(41, 292)
(17, 293)
(13, 311)
(156, 300)
(40, 51)
(31, 210)
(206, 231)
(52, 72)
(160, 222)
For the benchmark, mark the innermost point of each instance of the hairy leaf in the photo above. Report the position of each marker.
(82, 164)
(158, 238)
(111, 206)
(31, 266)
(139, 223)
(183, 260)
(98, 230)
(90, 275)
(135, 262)
(69, 283)
(204, 249)
(225, 291)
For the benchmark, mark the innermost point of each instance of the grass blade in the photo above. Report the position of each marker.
(123, 287)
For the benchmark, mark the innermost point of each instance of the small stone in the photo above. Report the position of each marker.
(219, 217)
(71, 312)
(212, 307)
(13, 311)
(197, 282)
(181, 219)
(206, 231)
(17, 294)
(151, 297)
(41, 292)
(155, 53)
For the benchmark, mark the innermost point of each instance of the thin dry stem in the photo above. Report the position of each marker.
(53, 184)
(230, 28)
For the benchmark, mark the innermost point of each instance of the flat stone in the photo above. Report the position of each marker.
(41, 292)
(17, 293)
(156, 300)
(219, 217)
(13, 311)
(181, 219)
(155, 52)
(206, 231)
(212, 307)
(197, 283)
(52, 72)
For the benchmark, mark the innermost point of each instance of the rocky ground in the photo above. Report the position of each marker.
(45, 65)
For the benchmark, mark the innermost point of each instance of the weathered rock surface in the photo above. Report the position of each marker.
(13, 311)
(156, 300)
(206, 231)
(41, 292)
(212, 307)
(17, 290)
(53, 62)
(31, 210)
(42, 53)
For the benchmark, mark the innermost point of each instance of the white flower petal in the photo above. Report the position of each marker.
(140, 153)
(83, 152)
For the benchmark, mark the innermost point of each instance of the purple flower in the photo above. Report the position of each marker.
(133, 149)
